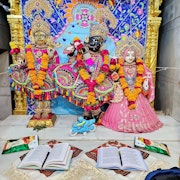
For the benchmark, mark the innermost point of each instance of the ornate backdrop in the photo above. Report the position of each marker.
(70, 18)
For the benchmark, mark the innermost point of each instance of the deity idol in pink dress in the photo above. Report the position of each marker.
(130, 110)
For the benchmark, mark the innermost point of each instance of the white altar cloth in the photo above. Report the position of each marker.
(14, 127)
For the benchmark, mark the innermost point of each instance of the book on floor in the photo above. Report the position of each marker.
(123, 158)
(44, 157)
(149, 145)
(21, 144)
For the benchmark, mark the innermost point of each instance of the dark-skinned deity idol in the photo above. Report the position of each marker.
(85, 79)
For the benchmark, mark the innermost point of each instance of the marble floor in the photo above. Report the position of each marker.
(14, 127)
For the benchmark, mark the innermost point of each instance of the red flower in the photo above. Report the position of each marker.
(104, 52)
(105, 68)
(15, 51)
(113, 61)
(79, 64)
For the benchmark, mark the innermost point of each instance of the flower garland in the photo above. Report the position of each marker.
(84, 74)
(37, 78)
(131, 94)
(14, 49)
(114, 66)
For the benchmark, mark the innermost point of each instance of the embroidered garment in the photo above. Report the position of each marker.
(22, 79)
(75, 89)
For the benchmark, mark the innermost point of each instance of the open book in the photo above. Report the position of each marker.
(123, 158)
(45, 157)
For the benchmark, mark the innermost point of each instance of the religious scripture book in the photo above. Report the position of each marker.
(44, 157)
(149, 145)
(124, 158)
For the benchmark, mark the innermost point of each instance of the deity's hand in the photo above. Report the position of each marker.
(78, 44)
(146, 84)
(145, 87)
(85, 49)
(69, 50)
(86, 40)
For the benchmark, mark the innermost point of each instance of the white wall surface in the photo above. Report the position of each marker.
(5, 93)
(168, 82)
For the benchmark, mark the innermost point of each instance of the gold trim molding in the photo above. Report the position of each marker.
(17, 35)
(153, 24)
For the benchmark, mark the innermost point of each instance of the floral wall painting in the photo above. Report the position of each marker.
(72, 18)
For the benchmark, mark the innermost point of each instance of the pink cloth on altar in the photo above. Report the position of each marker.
(139, 120)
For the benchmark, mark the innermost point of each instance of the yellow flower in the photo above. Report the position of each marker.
(38, 92)
(132, 106)
(12, 45)
(84, 75)
(91, 98)
(106, 59)
(100, 78)
(36, 87)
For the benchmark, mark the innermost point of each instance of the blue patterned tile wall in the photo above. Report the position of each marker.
(131, 15)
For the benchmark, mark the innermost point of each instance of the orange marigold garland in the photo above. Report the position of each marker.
(37, 78)
(131, 95)
(84, 74)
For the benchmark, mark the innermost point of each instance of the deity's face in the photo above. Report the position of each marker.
(130, 56)
(95, 43)
(40, 38)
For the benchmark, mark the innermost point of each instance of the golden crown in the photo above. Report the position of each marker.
(38, 6)
(39, 24)
(131, 44)
(99, 30)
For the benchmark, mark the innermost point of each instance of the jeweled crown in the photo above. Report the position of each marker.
(39, 24)
(131, 44)
(99, 30)
(101, 15)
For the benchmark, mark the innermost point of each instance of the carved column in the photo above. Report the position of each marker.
(152, 35)
(17, 36)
